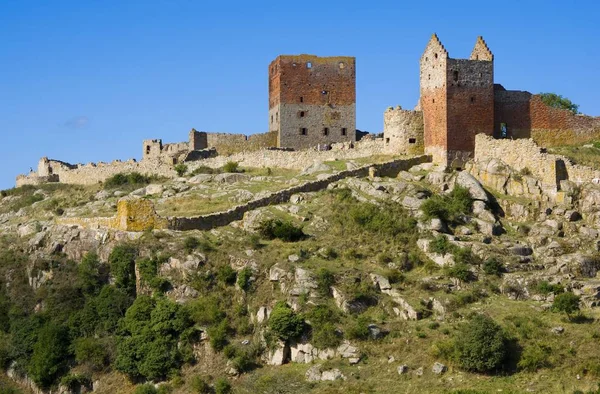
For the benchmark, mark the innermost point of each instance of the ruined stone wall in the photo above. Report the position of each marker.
(312, 100)
(526, 116)
(525, 153)
(403, 131)
(227, 144)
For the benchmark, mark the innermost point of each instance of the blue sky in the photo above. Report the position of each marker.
(88, 80)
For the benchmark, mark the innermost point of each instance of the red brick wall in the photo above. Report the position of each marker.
(434, 107)
(292, 82)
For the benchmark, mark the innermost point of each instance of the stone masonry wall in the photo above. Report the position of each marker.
(227, 144)
(403, 131)
(312, 100)
(525, 153)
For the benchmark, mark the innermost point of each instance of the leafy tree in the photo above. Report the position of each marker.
(279, 229)
(323, 320)
(90, 274)
(557, 101)
(93, 352)
(122, 266)
(50, 355)
(481, 345)
(567, 303)
(284, 322)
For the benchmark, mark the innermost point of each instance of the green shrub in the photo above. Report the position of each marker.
(75, 382)
(481, 345)
(180, 169)
(283, 230)
(441, 245)
(390, 220)
(323, 320)
(567, 303)
(534, 357)
(93, 352)
(449, 207)
(222, 386)
(146, 389)
(218, 335)
(359, 328)
(206, 310)
(244, 279)
(130, 179)
(325, 279)
(493, 266)
(50, 355)
(90, 273)
(284, 322)
(461, 272)
(465, 256)
(232, 166)
(544, 287)
(226, 274)
(205, 170)
(200, 386)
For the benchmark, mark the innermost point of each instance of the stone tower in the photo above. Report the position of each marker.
(403, 131)
(312, 100)
(457, 100)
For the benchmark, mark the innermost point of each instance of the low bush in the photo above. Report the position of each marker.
(180, 169)
(226, 274)
(449, 207)
(279, 229)
(130, 179)
(440, 244)
(222, 386)
(200, 386)
(244, 279)
(493, 266)
(325, 279)
(146, 389)
(232, 166)
(534, 357)
(481, 345)
(461, 272)
(205, 170)
(567, 303)
(284, 322)
(359, 328)
(544, 287)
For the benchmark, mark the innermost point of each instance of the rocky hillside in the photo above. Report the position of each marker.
(423, 283)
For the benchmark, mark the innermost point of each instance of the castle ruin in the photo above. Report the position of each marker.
(312, 100)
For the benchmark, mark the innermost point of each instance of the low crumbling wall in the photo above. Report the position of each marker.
(522, 154)
(227, 144)
(138, 214)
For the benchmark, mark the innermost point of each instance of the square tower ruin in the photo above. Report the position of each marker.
(457, 100)
(312, 100)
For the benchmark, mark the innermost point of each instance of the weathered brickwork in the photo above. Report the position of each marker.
(526, 116)
(312, 100)
(403, 131)
(176, 152)
(457, 100)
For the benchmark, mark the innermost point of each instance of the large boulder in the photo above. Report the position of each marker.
(469, 182)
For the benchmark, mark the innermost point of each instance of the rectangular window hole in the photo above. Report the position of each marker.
(326, 131)
(412, 140)
(344, 131)
(303, 131)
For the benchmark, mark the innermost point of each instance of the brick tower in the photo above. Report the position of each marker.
(312, 100)
(457, 100)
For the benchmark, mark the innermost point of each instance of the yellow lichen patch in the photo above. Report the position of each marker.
(137, 214)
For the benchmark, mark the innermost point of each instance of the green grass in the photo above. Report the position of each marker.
(587, 156)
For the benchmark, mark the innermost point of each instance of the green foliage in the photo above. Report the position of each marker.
(567, 303)
(325, 279)
(75, 382)
(244, 279)
(481, 345)
(206, 310)
(389, 220)
(323, 320)
(50, 355)
(146, 389)
(544, 287)
(205, 170)
(200, 386)
(90, 273)
(180, 169)
(461, 272)
(279, 229)
(232, 166)
(493, 266)
(449, 207)
(148, 269)
(284, 322)
(93, 352)
(148, 344)
(226, 275)
(132, 179)
(218, 335)
(441, 245)
(222, 386)
(534, 357)
(557, 101)
(359, 328)
(122, 266)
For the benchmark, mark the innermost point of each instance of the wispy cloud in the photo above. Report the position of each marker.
(77, 122)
